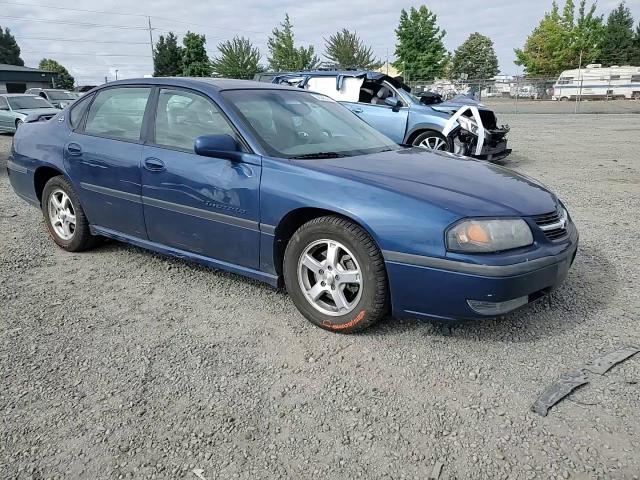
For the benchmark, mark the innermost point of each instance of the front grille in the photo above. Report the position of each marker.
(554, 224)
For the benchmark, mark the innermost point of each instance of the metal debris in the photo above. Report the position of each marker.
(437, 470)
(199, 472)
(569, 381)
(566, 384)
(603, 364)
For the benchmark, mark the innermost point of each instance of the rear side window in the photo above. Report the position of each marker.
(635, 78)
(118, 113)
(78, 111)
(184, 116)
(3, 104)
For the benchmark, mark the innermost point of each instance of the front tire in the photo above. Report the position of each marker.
(431, 140)
(335, 275)
(64, 217)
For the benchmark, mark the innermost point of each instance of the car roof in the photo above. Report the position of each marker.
(218, 84)
(17, 95)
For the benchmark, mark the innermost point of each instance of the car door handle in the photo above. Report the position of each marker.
(357, 110)
(74, 149)
(154, 164)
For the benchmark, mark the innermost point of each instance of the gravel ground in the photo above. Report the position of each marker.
(119, 363)
(508, 105)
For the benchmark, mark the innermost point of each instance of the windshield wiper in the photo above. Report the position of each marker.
(320, 155)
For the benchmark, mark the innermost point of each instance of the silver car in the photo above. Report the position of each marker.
(16, 109)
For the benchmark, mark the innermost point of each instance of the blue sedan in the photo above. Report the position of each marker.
(291, 188)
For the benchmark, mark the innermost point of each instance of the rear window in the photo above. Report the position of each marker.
(78, 111)
(118, 113)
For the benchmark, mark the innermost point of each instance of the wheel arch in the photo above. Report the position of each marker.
(412, 136)
(294, 219)
(41, 176)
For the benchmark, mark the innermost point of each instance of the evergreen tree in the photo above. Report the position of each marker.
(346, 50)
(239, 58)
(617, 45)
(195, 62)
(475, 57)
(167, 57)
(284, 55)
(559, 41)
(420, 51)
(636, 47)
(9, 49)
(65, 80)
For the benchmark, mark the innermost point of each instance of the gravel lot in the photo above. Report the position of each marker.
(508, 105)
(119, 363)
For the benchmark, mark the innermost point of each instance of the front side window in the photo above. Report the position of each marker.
(28, 102)
(183, 116)
(298, 124)
(118, 113)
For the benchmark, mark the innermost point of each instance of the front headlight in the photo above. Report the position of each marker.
(483, 236)
(469, 124)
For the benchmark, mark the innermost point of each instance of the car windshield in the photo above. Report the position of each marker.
(60, 95)
(298, 124)
(28, 101)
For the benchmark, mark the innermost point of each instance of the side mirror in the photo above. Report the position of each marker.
(217, 146)
(393, 102)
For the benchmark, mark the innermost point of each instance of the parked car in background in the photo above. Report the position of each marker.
(289, 187)
(58, 98)
(18, 108)
(387, 104)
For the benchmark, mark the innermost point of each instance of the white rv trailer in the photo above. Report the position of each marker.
(595, 81)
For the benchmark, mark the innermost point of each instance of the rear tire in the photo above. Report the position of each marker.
(64, 217)
(431, 140)
(335, 275)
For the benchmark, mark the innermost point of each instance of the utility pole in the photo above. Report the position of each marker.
(387, 60)
(151, 41)
(575, 110)
(116, 74)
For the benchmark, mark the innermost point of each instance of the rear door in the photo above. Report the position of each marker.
(103, 154)
(208, 206)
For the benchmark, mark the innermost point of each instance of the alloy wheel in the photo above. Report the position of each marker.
(62, 214)
(330, 277)
(433, 143)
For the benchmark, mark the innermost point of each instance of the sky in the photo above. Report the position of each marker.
(118, 38)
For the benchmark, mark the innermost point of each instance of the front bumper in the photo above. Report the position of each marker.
(427, 287)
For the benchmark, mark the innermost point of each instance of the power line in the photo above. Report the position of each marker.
(62, 22)
(88, 54)
(76, 40)
(55, 7)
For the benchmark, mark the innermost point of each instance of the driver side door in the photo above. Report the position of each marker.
(387, 119)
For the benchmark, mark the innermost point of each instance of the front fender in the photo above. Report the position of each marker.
(395, 221)
(420, 120)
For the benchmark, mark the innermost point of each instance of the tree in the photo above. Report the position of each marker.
(420, 51)
(239, 58)
(560, 41)
(284, 55)
(475, 57)
(9, 49)
(617, 45)
(636, 47)
(195, 62)
(65, 80)
(347, 51)
(167, 57)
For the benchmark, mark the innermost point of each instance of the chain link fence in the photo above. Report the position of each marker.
(535, 95)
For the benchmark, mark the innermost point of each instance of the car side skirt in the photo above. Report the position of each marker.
(174, 252)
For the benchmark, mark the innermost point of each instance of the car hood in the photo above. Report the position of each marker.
(38, 111)
(458, 184)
